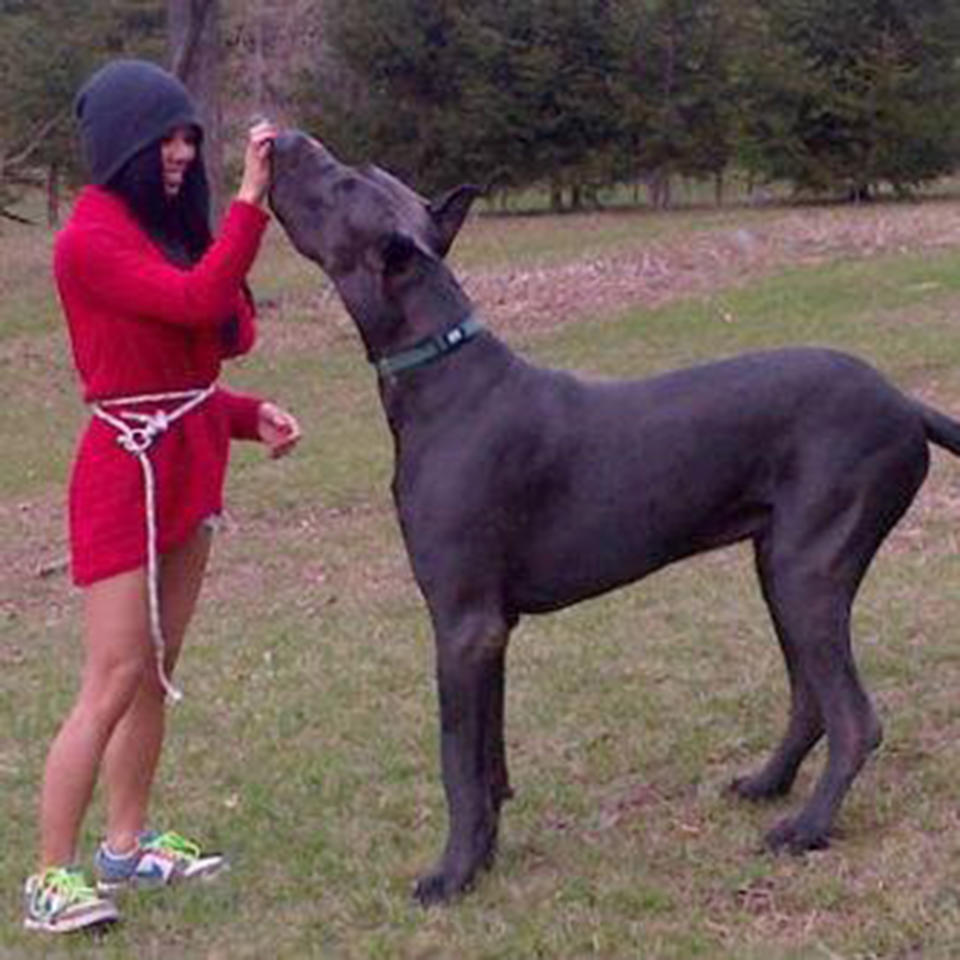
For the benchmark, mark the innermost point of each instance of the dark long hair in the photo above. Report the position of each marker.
(180, 225)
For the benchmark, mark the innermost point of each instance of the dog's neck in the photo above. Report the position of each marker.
(430, 349)
(412, 319)
(446, 388)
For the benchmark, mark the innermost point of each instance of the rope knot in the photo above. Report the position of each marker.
(137, 440)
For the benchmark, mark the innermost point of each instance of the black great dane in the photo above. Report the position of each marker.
(522, 490)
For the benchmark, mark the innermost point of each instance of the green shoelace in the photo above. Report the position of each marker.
(171, 842)
(68, 882)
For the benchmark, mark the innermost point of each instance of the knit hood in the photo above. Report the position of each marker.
(124, 107)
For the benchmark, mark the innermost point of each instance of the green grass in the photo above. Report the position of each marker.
(307, 742)
(900, 313)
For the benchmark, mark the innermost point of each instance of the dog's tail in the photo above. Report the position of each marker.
(942, 430)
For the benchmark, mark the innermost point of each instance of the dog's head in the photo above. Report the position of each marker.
(381, 243)
(368, 231)
(330, 209)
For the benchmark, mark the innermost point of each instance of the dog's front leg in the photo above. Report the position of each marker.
(499, 777)
(470, 668)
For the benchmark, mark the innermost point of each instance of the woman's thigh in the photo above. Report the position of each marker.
(116, 610)
(181, 577)
(116, 636)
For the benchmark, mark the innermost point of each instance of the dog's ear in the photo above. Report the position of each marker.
(448, 213)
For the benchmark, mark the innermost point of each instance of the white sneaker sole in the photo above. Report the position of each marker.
(101, 916)
(113, 887)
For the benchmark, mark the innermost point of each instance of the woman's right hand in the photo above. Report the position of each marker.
(278, 429)
(256, 163)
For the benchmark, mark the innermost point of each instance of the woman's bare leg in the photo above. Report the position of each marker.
(117, 657)
(133, 752)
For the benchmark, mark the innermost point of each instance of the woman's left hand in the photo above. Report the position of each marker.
(278, 429)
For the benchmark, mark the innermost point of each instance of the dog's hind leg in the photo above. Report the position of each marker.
(805, 726)
(812, 609)
(470, 678)
(823, 538)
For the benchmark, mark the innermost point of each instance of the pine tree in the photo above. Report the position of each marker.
(853, 94)
(676, 89)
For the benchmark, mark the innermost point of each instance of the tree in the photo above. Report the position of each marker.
(453, 90)
(563, 96)
(195, 54)
(393, 81)
(47, 49)
(836, 96)
(853, 94)
(675, 85)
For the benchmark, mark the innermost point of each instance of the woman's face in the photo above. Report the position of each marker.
(177, 152)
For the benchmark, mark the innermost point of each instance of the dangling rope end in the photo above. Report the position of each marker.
(174, 694)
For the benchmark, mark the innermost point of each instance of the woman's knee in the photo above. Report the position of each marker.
(109, 687)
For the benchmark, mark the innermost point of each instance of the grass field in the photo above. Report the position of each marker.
(307, 743)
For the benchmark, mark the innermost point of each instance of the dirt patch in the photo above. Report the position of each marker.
(33, 558)
(362, 556)
(659, 272)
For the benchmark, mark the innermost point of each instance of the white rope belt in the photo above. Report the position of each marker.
(136, 433)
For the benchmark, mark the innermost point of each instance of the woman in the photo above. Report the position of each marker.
(153, 305)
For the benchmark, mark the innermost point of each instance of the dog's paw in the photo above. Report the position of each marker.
(500, 793)
(758, 788)
(435, 888)
(793, 836)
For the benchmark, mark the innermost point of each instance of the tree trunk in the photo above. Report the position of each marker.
(556, 197)
(658, 188)
(53, 194)
(193, 27)
(259, 64)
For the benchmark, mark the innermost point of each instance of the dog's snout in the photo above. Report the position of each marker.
(287, 141)
(286, 148)
(291, 145)
(298, 158)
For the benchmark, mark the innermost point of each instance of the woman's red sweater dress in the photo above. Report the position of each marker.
(140, 325)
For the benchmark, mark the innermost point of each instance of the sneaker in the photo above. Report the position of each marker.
(60, 900)
(159, 859)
